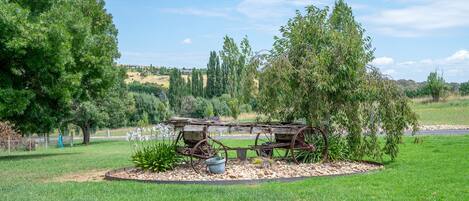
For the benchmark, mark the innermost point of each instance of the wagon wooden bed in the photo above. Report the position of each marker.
(193, 139)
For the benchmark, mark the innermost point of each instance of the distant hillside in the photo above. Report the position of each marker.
(162, 80)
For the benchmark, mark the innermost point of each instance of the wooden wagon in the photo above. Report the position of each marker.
(193, 139)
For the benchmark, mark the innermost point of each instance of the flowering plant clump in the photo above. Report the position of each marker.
(159, 131)
(155, 152)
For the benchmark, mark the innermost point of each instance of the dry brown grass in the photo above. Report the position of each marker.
(243, 117)
(155, 79)
(92, 175)
(428, 99)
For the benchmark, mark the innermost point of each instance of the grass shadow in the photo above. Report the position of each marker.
(32, 156)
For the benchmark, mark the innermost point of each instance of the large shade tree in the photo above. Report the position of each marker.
(322, 57)
(56, 59)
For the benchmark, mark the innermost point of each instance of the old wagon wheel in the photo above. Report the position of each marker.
(262, 143)
(301, 142)
(206, 149)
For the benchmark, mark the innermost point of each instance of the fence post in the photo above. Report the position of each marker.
(108, 133)
(71, 135)
(46, 136)
(29, 140)
(8, 144)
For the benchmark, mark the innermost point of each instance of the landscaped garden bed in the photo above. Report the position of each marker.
(247, 171)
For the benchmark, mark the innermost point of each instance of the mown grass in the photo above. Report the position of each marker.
(454, 111)
(437, 169)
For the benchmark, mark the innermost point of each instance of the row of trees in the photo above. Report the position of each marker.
(235, 74)
(435, 86)
(188, 97)
(232, 72)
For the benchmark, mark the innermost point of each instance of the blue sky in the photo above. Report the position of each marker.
(411, 37)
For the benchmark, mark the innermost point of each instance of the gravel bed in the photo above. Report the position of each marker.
(444, 127)
(245, 170)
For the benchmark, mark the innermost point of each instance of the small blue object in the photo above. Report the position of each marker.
(60, 142)
(216, 165)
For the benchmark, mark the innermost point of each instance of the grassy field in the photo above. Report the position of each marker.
(437, 169)
(454, 111)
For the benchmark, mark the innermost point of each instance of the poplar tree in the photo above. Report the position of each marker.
(211, 75)
(230, 55)
(218, 86)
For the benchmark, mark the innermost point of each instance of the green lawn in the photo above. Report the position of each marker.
(438, 169)
(451, 112)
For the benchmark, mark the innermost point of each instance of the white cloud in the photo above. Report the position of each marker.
(455, 68)
(186, 41)
(389, 71)
(422, 18)
(267, 9)
(459, 56)
(406, 63)
(221, 12)
(380, 61)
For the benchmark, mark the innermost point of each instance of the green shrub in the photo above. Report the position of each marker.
(464, 88)
(220, 108)
(338, 149)
(233, 104)
(156, 157)
(188, 106)
(203, 108)
(245, 108)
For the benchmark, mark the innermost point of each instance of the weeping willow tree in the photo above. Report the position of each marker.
(318, 72)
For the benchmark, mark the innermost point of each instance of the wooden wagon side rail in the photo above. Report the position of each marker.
(198, 145)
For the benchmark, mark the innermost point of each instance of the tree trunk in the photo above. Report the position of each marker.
(86, 134)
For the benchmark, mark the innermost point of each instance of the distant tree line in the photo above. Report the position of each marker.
(434, 86)
(145, 70)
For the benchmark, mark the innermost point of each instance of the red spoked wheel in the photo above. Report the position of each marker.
(301, 142)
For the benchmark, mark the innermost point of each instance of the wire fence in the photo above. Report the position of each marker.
(75, 137)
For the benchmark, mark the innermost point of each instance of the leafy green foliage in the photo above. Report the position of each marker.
(197, 83)
(464, 88)
(245, 108)
(337, 145)
(412, 89)
(233, 104)
(214, 76)
(220, 108)
(203, 108)
(156, 156)
(148, 88)
(53, 64)
(318, 72)
(436, 86)
(178, 88)
(149, 109)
